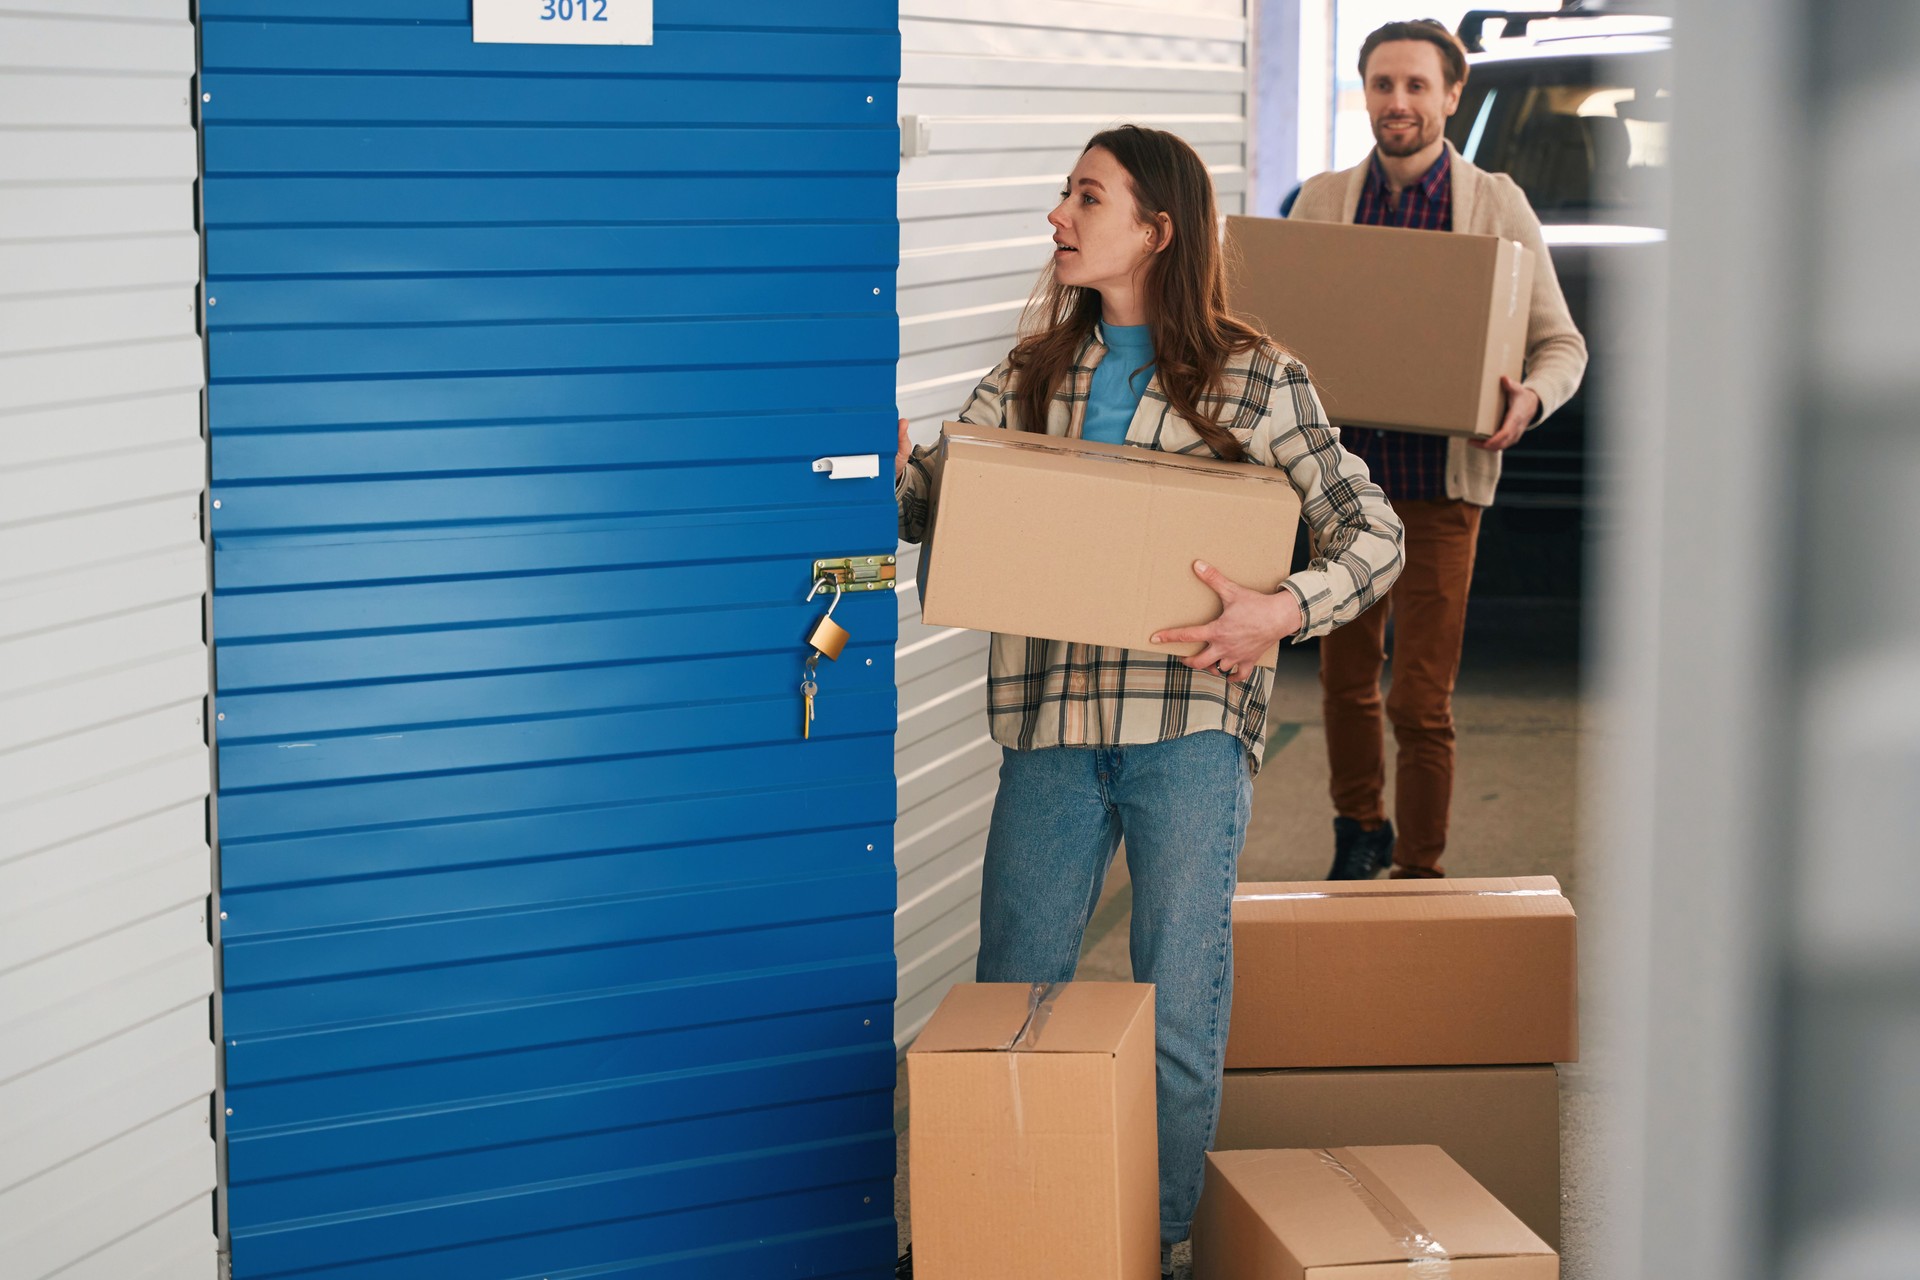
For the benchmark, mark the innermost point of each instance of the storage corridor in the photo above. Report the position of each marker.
(1516, 812)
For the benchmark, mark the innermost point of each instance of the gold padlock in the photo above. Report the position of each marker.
(828, 636)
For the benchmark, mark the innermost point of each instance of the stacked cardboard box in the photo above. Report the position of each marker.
(1359, 1212)
(1407, 1011)
(1034, 1149)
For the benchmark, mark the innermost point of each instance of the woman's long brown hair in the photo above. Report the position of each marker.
(1184, 288)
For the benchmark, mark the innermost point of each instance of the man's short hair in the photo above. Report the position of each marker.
(1453, 54)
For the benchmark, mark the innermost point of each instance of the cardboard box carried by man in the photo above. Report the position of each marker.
(1406, 330)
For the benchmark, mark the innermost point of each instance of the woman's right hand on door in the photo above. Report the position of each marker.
(901, 454)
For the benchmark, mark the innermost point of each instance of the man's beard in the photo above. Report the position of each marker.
(1416, 142)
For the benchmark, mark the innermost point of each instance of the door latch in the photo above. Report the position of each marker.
(856, 573)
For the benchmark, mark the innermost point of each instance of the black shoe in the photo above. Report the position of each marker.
(903, 1269)
(1359, 854)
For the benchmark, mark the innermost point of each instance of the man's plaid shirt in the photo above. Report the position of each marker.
(1047, 693)
(1407, 466)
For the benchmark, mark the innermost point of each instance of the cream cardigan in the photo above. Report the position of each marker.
(1487, 204)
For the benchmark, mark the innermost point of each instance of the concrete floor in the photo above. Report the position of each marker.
(1517, 708)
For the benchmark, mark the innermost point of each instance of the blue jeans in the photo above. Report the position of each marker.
(1183, 807)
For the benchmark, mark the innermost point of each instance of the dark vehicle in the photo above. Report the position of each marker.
(1574, 105)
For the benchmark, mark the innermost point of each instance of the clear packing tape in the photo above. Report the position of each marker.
(1426, 1257)
(1041, 997)
(1307, 895)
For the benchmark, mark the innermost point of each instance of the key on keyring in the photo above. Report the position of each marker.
(807, 689)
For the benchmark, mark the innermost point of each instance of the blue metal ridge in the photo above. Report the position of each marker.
(630, 1266)
(450, 1014)
(496, 73)
(360, 20)
(551, 906)
(518, 175)
(880, 1088)
(582, 713)
(649, 1029)
(503, 523)
(762, 788)
(418, 580)
(716, 416)
(374, 877)
(428, 677)
(547, 953)
(538, 273)
(321, 379)
(850, 1053)
(471, 122)
(569, 1184)
(492, 624)
(610, 271)
(489, 473)
(822, 734)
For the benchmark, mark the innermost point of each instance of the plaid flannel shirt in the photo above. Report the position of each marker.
(1047, 693)
(1408, 467)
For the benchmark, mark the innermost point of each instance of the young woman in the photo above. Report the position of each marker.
(1129, 339)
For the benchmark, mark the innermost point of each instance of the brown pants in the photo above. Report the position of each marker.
(1429, 606)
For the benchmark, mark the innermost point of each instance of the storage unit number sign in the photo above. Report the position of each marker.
(563, 21)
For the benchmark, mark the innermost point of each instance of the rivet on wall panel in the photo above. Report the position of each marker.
(876, 293)
(220, 715)
(869, 848)
(229, 1110)
(214, 302)
(207, 97)
(216, 504)
(869, 97)
(223, 915)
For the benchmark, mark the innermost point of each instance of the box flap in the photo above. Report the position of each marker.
(1068, 1017)
(1401, 899)
(1424, 1188)
(1360, 1205)
(961, 433)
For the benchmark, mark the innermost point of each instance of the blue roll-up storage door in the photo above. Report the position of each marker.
(549, 949)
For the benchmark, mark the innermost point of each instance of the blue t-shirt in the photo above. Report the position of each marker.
(1114, 396)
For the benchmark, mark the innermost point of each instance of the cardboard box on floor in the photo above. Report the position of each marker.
(1076, 540)
(1357, 1213)
(1403, 329)
(1034, 1150)
(1392, 973)
(1502, 1124)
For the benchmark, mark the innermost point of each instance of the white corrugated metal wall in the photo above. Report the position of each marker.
(1006, 92)
(106, 1058)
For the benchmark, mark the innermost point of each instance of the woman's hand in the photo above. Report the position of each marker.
(1249, 623)
(901, 454)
